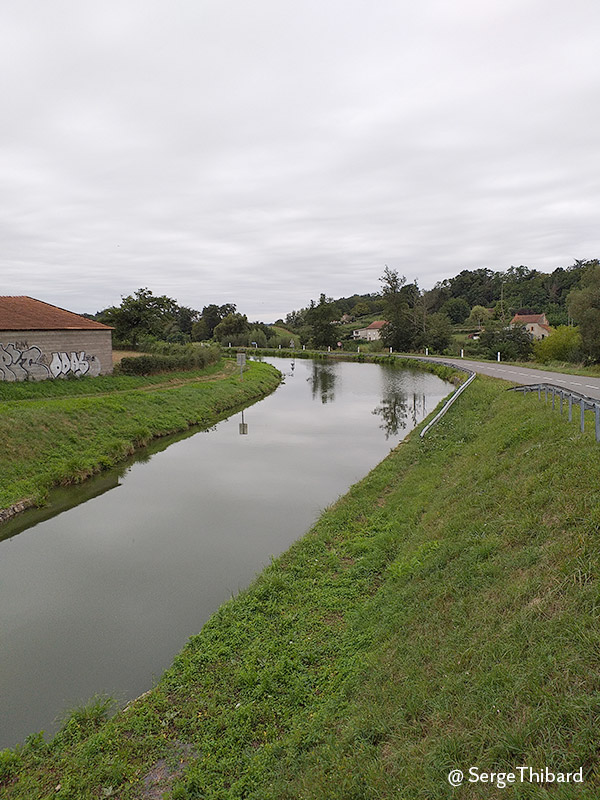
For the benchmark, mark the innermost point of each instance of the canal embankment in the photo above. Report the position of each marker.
(441, 615)
(64, 432)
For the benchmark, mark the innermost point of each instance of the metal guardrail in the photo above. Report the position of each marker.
(449, 402)
(573, 398)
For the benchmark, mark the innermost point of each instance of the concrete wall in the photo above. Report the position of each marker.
(42, 355)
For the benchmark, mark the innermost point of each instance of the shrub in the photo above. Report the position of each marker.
(563, 344)
(169, 357)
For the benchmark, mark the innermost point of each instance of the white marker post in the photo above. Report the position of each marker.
(426, 351)
(462, 353)
(241, 360)
(498, 355)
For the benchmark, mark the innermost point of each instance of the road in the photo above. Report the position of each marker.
(521, 375)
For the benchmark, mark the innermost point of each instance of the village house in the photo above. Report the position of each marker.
(535, 324)
(371, 332)
(39, 341)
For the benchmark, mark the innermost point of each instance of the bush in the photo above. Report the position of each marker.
(514, 343)
(168, 357)
(563, 344)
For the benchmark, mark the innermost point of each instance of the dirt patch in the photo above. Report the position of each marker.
(117, 355)
(160, 778)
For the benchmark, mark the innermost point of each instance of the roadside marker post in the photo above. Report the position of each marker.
(241, 360)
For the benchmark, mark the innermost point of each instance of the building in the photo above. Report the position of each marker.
(39, 341)
(535, 324)
(371, 332)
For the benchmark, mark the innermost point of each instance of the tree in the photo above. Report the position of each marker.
(398, 332)
(319, 318)
(478, 316)
(457, 309)
(563, 344)
(231, 325)
(139, 314)
(513, 344)
(213, 314)
(200, 331)
(361, 309)
(584, 307)
(438, 334)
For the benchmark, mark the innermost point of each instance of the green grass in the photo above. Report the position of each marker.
(443, 614)
(281, 331)
(65, 439)
(103, 384)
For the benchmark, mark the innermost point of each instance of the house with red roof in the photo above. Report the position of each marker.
(39, 341)
(371, 332)
(535, 324)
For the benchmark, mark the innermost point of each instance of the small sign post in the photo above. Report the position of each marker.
(241, 360)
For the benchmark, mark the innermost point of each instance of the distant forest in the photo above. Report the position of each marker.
(443, 319)
(516, 289)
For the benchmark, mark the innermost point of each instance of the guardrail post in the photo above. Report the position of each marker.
(561, 401)
(570, 408)
(553, 396)
(597, 412)
(582, 407)
(545, 395)
(539, 392)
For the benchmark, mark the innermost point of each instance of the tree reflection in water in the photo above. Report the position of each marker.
(322, 381)
(396, 408)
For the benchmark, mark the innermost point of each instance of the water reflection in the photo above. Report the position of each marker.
(243, 428)
(322, 381)
(100, 598)
(396, 409)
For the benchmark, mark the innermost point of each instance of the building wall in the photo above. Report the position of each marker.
(536, 330)
(42, 355)
(370, 334)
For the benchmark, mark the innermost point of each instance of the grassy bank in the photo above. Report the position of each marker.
(64, 439)
(447, 373)
(442, 615)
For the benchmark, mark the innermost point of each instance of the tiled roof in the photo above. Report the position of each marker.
(529, 318)
(376, 325)
(23, 313)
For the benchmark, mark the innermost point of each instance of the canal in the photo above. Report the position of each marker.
(100, 589)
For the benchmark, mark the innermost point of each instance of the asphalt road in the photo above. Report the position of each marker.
(521, 375)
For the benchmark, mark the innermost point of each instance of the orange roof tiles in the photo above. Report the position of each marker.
(22, 313)
(525, 318)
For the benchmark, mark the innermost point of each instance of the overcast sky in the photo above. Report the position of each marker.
(264, 152)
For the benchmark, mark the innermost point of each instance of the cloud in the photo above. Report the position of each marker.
(262, 153)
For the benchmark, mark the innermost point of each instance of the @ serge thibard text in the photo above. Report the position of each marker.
(519, 775)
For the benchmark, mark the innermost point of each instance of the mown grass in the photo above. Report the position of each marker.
(443, 614)
(103, 384)
(65, 439)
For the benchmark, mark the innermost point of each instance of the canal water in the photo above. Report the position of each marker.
(99, 590)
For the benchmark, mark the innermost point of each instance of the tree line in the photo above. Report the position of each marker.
(143, 319)
(480, 301)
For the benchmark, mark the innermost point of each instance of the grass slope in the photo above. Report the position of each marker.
(443, 614)
(65, 439)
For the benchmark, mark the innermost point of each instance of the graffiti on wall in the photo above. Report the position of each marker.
(19, 362)
(78, 364)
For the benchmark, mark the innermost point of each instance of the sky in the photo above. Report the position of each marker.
(263, 152)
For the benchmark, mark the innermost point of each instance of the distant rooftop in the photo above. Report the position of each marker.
(22, 313)
(530, 318)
